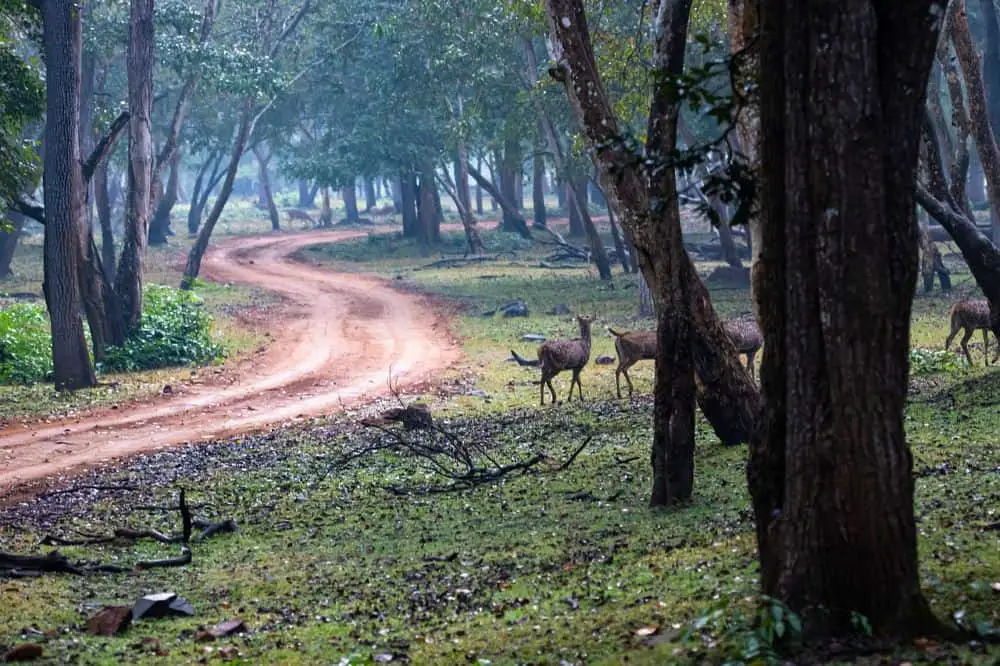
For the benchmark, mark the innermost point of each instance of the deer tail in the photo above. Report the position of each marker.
(523, 361)
(615, 333)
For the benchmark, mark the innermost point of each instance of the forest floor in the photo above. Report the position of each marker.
(353, 548)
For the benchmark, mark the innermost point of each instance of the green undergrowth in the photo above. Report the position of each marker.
(557, 566)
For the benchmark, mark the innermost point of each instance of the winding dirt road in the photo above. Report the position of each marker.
(334, 342)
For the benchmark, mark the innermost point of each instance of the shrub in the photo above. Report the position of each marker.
(175, 330)
(25, 344)
(934, 361)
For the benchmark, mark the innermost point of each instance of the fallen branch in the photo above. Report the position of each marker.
(452, 262)
(179, 561)
(19, 566)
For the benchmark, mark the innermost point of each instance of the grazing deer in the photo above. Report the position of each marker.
(555, 356)
(746, 337)
(632, 347)
(296, 214)
(972, 315)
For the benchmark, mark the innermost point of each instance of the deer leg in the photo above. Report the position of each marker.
(579, 386)
(618, 381)
(547, 381)
(629, 380)
(951, 336)
(541, 389)
(965, 345)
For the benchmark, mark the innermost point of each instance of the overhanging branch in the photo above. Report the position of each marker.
(104, 146)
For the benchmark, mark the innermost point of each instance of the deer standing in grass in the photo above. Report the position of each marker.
(555, 356)
(635, 346)
(972, 315)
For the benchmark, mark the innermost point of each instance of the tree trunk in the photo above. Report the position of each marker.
(976, 187)
(326, 213)
(538, 189)
(479, 192)
(397, 198)
(616, 237)
(986, 145)
(462, 177)
(304, 195)
(129, 278)
(469, 223)
(103, 201)
(726, 395)
(517, 221)
(63, 195)
(159, 228)
(408, 200)
(263, 158)
(646, 309)
(575, 223)
(830, 469)
(428, 229)
(578, 201)
(726, 240)
(370, 200)
(744, 25)
(193, 266)
(509, 170)
(9, 241)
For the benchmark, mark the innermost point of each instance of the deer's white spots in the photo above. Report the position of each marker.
(566, 22)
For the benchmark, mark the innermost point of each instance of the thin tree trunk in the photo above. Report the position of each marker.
(538, 189)
(830, 469)
(304, 192)
(129, 277)
(744, 24)
(427, 228)
(9, 241)
(646, 309)
(370, 199)
(63, 195)
(578, 201)
(326, 212)
(462, 176)
(263, 158)
(193, 266)
(517, 221)
(986, 145)
(159, 228)
(469, 223)
(575, 223)
(479, 192)
(103, 201)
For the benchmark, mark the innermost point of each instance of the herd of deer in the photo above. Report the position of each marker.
(555, 356)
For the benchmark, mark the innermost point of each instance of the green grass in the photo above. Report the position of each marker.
(556, 565)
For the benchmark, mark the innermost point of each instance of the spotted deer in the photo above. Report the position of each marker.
(746, 337)
(635, 346)
(555, 356)
(972, 315)
(632, 347)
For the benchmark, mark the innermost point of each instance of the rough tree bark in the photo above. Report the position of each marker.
(263, 156)
(726, 394)
(129, 277)
(63, 196)
(510, 172)
(830, 472)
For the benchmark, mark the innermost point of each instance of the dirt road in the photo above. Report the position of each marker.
(334, 342)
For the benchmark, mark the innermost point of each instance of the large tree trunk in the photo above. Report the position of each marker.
(408, 203)
(830, 469)
(129, 278)
(159, 227)
(193, 266)
(727, 395)
(263, 158)
(63, 195)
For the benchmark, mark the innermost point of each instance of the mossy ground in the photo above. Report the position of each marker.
(552, 567)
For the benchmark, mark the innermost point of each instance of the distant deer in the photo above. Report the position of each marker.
(555, 356)
(632, 347)
(296, 214)
(746, 337)
(636, 346)
(972, 315)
